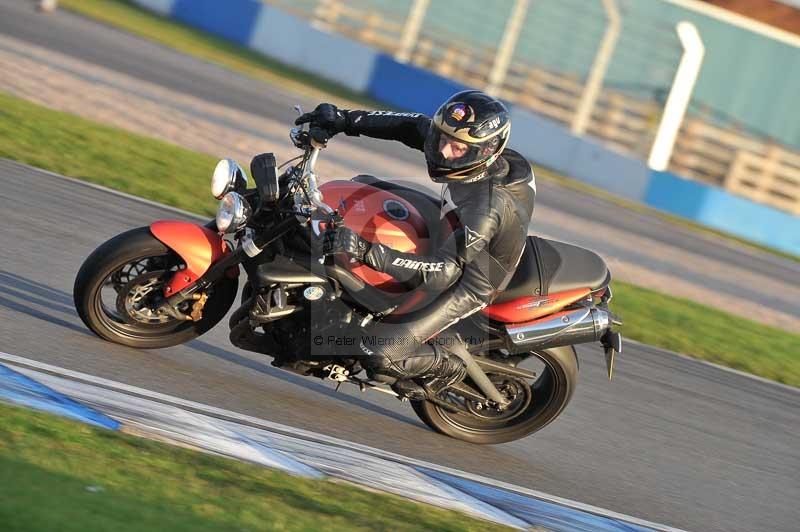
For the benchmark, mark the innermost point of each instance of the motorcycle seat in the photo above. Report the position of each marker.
(549, 267)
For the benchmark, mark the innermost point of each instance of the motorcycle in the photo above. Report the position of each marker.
(167, 283)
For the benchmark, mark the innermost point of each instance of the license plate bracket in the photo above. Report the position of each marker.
(612, 342)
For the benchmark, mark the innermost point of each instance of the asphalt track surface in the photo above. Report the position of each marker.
(670, 440)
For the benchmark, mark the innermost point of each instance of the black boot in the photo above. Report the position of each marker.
(450, 370)
(445, 369)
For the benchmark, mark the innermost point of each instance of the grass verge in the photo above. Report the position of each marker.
(58, 474)
(133, 19)
(693, 329)
(166, 173)
(70, 145)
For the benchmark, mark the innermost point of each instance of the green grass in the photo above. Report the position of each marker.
(58, 474)
(690, 328)
(162, 172)
(72, 146)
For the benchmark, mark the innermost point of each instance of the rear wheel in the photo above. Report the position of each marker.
(120, 285)
(532, 405)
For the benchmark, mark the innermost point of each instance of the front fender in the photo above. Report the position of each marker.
(198, 246)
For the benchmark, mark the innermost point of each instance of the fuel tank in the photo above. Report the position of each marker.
(380, 217)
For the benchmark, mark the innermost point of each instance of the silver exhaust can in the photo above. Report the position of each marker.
(577, 326)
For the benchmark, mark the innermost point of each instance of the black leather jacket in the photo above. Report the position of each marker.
(493, 215)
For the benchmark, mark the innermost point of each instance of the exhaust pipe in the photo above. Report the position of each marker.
(579, 326)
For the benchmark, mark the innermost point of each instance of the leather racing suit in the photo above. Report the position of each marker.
(468, 269)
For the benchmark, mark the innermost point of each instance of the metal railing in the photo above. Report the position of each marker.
(624, 119)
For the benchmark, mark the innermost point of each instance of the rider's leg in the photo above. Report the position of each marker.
(400, 351)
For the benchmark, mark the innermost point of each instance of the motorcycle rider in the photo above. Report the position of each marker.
(492, 190)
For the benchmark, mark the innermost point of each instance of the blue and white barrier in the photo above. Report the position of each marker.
(162, 7)
(722, 210)
(547, 143)
(294, 41)
(295, 451)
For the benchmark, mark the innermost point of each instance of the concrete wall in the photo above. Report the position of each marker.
(294, 41)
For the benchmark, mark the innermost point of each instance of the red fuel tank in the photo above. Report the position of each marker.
(380, 217)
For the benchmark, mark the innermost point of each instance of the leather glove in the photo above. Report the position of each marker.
(345, 240)
(326, 116)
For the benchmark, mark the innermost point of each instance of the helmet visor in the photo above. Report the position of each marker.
(449, 153)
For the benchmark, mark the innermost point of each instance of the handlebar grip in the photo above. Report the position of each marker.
(319, 135)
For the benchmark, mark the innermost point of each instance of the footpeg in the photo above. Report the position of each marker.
(337, 373)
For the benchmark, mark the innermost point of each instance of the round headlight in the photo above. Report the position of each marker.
(232, 213)
(228, 176)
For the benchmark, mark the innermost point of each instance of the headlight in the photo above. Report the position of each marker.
(232, 213)
(228, 176)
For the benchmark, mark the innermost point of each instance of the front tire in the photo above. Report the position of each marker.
(549, 395)
(108, 263)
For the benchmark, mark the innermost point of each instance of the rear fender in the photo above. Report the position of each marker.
(198, 246)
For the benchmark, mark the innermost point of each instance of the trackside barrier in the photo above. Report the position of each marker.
(408, 87)
(294, 41)
(547, 143)
(233, 20)
(721, 210)
(162, 7)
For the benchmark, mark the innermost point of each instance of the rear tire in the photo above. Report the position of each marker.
(550, 394)
(112, 256)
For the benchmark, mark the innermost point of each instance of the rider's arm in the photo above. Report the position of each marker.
(408, 128)
(438, 271)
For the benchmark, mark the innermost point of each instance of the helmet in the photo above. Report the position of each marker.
(466, 135)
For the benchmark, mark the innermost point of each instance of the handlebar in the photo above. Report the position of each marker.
(312, 142)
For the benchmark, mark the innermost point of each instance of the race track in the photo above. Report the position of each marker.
(639, 248)
(670, 440)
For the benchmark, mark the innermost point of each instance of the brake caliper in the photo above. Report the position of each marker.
(197, 307)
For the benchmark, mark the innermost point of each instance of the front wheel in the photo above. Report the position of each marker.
(532, 405)
(119, 286)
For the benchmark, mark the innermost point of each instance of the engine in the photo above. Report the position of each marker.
(302, 329)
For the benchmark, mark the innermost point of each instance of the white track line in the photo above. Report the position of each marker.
(313, 436)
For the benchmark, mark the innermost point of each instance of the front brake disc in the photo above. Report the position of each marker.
(136, 300)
